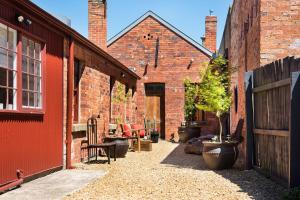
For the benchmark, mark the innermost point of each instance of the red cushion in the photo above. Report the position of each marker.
(138, 127)
(142, 132)
(126, 130)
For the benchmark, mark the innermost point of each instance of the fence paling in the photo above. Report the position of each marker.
(275, 113)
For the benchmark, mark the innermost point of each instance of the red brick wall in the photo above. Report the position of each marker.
(211, 33)
(174, 56)
(262, 31)
(280, 30)
(94, 98)
(97, 22)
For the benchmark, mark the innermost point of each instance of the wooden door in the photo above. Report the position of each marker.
(155, 107)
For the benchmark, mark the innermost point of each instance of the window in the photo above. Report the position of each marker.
(20, 71)
(8, 68)
(78, 70)
(31, 74)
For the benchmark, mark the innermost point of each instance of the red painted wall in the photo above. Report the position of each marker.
(30, 142)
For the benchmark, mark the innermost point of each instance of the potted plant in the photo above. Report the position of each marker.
(215, 96)
(154, 136)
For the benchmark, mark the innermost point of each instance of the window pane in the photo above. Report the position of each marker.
(12, 60)
(12, 39)
(2, 98)
(37, 68)
(3, 58)
(11, 99)
(3, 35)
(25, 98)
(31, 66)
(12, 79)
(31, 82)
(37, 51)
(31, 48)
(24, 46)
(37, 81)
(31, 99)
(39, 100)
(3, 75)
(25, 81)
(24, 64)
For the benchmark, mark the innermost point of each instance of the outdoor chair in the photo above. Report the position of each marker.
(131, 134)
(92, 145)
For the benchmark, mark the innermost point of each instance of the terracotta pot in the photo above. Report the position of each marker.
(218, 156)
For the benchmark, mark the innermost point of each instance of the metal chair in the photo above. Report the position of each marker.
(92, 142)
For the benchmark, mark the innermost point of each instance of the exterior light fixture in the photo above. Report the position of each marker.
(123, 75)
(20, 18)
(190, 64)
(28, 22)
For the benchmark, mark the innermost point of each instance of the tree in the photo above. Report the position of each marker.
(214, 90)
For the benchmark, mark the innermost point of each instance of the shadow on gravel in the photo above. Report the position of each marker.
(249, 181)
(177, 158)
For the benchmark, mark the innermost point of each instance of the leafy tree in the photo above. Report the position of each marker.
(214, 90)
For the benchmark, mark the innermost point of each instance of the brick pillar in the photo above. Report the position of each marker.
(211, 33)
(98, 23)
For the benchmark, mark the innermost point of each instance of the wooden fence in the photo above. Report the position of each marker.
(273, 120)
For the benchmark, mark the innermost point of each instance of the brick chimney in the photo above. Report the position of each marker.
(210, 40)
(98, 23)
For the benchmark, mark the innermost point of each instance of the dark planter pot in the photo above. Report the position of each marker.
(154, 138)
(218, 156)
(187, 133)
(122, 146)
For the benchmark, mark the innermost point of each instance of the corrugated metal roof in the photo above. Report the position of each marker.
(166, 24)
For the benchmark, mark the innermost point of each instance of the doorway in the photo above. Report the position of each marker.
(155, 106)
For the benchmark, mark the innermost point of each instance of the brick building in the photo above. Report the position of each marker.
(257, 32)
(163, 56)
(52, 79)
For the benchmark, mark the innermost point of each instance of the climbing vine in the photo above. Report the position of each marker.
(191, 98)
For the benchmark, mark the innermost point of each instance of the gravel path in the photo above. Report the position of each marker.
(168, 173)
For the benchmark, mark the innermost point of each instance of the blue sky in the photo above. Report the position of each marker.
(188, 16)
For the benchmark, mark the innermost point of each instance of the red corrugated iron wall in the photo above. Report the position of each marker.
(34, 142)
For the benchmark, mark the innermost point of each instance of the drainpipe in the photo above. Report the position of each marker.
(70, 86)
(13, 184)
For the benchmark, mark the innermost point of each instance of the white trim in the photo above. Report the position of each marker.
(166, 24)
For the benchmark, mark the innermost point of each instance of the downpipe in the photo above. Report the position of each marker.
(13, 184)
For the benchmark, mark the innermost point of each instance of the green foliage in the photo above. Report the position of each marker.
(119, 94)
(214, 90)
(293, 194)
(191, 93)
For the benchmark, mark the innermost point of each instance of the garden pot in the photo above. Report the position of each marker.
(122, 146)
(187, 133)
(154, 138)
(218, 156)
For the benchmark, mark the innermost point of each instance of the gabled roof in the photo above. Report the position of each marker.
(166, 24)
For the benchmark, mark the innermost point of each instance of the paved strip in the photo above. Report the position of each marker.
(54, 186)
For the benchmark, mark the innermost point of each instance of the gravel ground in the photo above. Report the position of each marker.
(168, 173)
